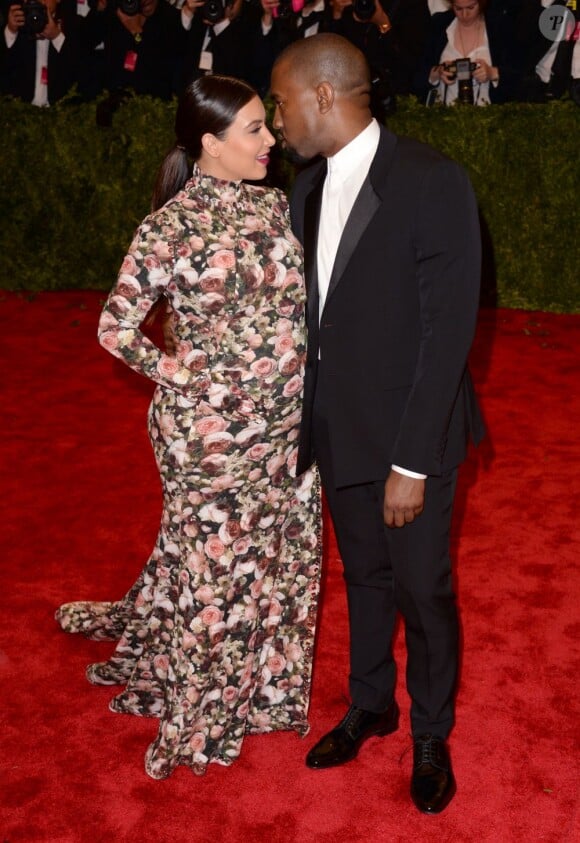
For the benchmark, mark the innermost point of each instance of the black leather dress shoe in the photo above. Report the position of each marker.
(432, 783)
(343, 743)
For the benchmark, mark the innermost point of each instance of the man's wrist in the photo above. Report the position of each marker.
(384, 24)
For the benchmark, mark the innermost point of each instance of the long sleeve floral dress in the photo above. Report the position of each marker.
(216, 636)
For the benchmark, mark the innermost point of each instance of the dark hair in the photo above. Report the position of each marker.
(209, 104)
(482, 4)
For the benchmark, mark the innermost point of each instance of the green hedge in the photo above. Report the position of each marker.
(72, 193)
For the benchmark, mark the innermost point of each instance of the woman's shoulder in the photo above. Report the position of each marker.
(168, 214)
(272, 200)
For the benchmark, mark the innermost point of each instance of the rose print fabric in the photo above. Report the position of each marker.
(216, 636)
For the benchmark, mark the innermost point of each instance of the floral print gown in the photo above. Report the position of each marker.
(216, 636)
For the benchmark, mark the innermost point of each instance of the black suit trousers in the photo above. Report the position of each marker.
(386, 570)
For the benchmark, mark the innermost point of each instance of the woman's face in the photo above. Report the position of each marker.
(466, 11)
(244, 151)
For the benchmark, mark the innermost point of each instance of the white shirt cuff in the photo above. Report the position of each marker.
(409, 473)
(10, 37)
(186, 20)
(58, 42)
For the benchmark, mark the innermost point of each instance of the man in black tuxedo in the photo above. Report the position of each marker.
(40, 67)
(392, 253)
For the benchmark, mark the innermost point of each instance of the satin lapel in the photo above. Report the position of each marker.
(363, 210)
(368, 201)
(311, 217)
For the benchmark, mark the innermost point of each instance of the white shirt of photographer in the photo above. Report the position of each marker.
(346, 172)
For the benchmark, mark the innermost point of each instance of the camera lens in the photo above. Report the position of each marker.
(364, 9)
(213, 11)
(130, 7)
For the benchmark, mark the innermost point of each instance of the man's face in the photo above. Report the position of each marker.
(297, 115)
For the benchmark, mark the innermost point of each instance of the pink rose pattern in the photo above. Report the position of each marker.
(216, 636)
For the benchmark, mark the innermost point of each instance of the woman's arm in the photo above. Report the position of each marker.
(143, 278)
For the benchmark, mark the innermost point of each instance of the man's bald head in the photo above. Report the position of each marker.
(321, 89)
(328, 58)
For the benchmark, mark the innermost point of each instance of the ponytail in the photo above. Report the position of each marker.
(171, 176)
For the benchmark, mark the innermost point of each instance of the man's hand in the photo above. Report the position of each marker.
(15, 19)
(404, 499)
(268, 7)
(338, 7)
(233, 9)
(191, 6)
(379, 18)
(52, 29)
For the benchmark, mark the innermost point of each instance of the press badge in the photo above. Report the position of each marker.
(130, 60)
(206, 60)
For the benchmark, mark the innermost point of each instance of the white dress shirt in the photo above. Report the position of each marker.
(346, 173)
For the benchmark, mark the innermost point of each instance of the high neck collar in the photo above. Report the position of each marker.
(211, 186)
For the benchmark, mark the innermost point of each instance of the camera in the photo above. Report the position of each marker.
(364, 9)
(462, 70)
(35, 16)
(287, 8)
(213, 11)
(128, 7)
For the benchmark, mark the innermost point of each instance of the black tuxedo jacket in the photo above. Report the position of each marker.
(399, 317)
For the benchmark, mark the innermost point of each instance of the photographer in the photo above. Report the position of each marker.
(218, 39)
(391, 34)
(484, 37)
(39, 51)
(143, 44)
(550, 67)
(272, 26)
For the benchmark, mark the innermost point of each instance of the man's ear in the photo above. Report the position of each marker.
(324, 96)
(210, 145)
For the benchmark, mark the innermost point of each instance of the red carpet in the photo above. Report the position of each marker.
(80, 510)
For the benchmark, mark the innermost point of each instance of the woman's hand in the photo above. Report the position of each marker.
(440, 74)
(485, 73)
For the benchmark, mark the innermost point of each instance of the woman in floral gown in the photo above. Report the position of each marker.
(216, 636)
